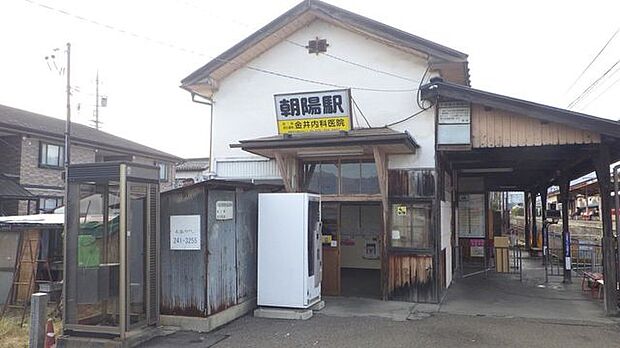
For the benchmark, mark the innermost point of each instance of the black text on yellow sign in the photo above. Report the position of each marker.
(327, 124)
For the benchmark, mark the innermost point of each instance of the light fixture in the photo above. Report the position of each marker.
(487, 170)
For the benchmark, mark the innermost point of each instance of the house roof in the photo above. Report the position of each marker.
(542, 112)
(9, 189)
(30, 221)
(193, 164)
(27, 122)
(394, 141)
(304, 13)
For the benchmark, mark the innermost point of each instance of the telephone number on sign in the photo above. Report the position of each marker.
(185, 240)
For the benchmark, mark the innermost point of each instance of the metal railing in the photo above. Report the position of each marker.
(500, 260)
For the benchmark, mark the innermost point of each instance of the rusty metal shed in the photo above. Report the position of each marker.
(219, 273)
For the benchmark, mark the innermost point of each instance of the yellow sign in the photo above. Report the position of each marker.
(306, 112)
(401, 210)
(332, 124)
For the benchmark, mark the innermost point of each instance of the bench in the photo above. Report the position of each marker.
(593, 282)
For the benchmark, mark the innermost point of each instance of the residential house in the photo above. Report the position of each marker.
(32, 156)
(191, 171)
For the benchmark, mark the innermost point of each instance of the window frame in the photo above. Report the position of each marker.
(61, 156)
(163, 168)
(339, 184)
(428, 250)
(59, 202)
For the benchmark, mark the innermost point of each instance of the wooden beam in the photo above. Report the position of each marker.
(382, 175)
(352, 198)
(543, 217)
(285, 171)
(526, 210)
(534, 227)
(602, 162)
(564, 193)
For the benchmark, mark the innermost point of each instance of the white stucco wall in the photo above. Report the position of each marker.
(244, 106)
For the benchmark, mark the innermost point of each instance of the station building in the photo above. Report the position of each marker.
(386, 126)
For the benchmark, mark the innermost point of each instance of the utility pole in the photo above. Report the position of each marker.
(68, 123)
(100, 101)
(67, 163)
(97, 101)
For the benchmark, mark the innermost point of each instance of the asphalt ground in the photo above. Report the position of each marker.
(428, 330)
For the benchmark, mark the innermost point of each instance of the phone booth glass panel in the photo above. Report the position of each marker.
(112, 240)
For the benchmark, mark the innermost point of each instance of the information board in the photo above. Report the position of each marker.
(471, 216)
(224, 210)
(185, 232)
(454, 123)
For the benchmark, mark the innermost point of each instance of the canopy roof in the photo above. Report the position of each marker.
(357, 142)
(9, 189)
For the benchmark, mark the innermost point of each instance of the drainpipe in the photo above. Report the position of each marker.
(209, 102)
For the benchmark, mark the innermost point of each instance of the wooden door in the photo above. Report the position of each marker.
(330, 285)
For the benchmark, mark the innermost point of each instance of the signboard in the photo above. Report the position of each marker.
(323, 111)
(224, 210)
(476, 248)
(471, 216)
(454, 113)
(185, 232)
(453, 123)
(401, 210)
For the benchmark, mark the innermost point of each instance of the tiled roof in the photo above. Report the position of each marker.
(193, 164)
(31, 123)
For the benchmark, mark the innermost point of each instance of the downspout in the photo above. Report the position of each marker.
(210, 103)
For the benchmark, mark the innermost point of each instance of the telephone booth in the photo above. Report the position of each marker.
(112, 250)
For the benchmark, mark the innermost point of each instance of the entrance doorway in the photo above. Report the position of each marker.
(351, 249)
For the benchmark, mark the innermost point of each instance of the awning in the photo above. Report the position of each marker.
(9, 189)
(356, 142)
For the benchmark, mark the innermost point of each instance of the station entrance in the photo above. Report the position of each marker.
(351, 249)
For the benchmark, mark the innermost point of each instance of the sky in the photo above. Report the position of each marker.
(534, 50)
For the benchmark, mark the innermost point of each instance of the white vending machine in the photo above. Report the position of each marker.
(289, 250)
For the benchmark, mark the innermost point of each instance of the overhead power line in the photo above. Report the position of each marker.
(610, 86)
(300, 45)
(594, 84)
(594, 59)
(193, 52)
(361, 112)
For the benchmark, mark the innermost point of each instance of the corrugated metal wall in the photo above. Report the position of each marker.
(222, 256)
(221, 274)
(183, 272)
(247, 222)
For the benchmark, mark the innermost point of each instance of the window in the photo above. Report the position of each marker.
(341, 177)
(47, 204)
(411, 225)
(321, 177)
(51, 155)
(163, 172)
(415, 183)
